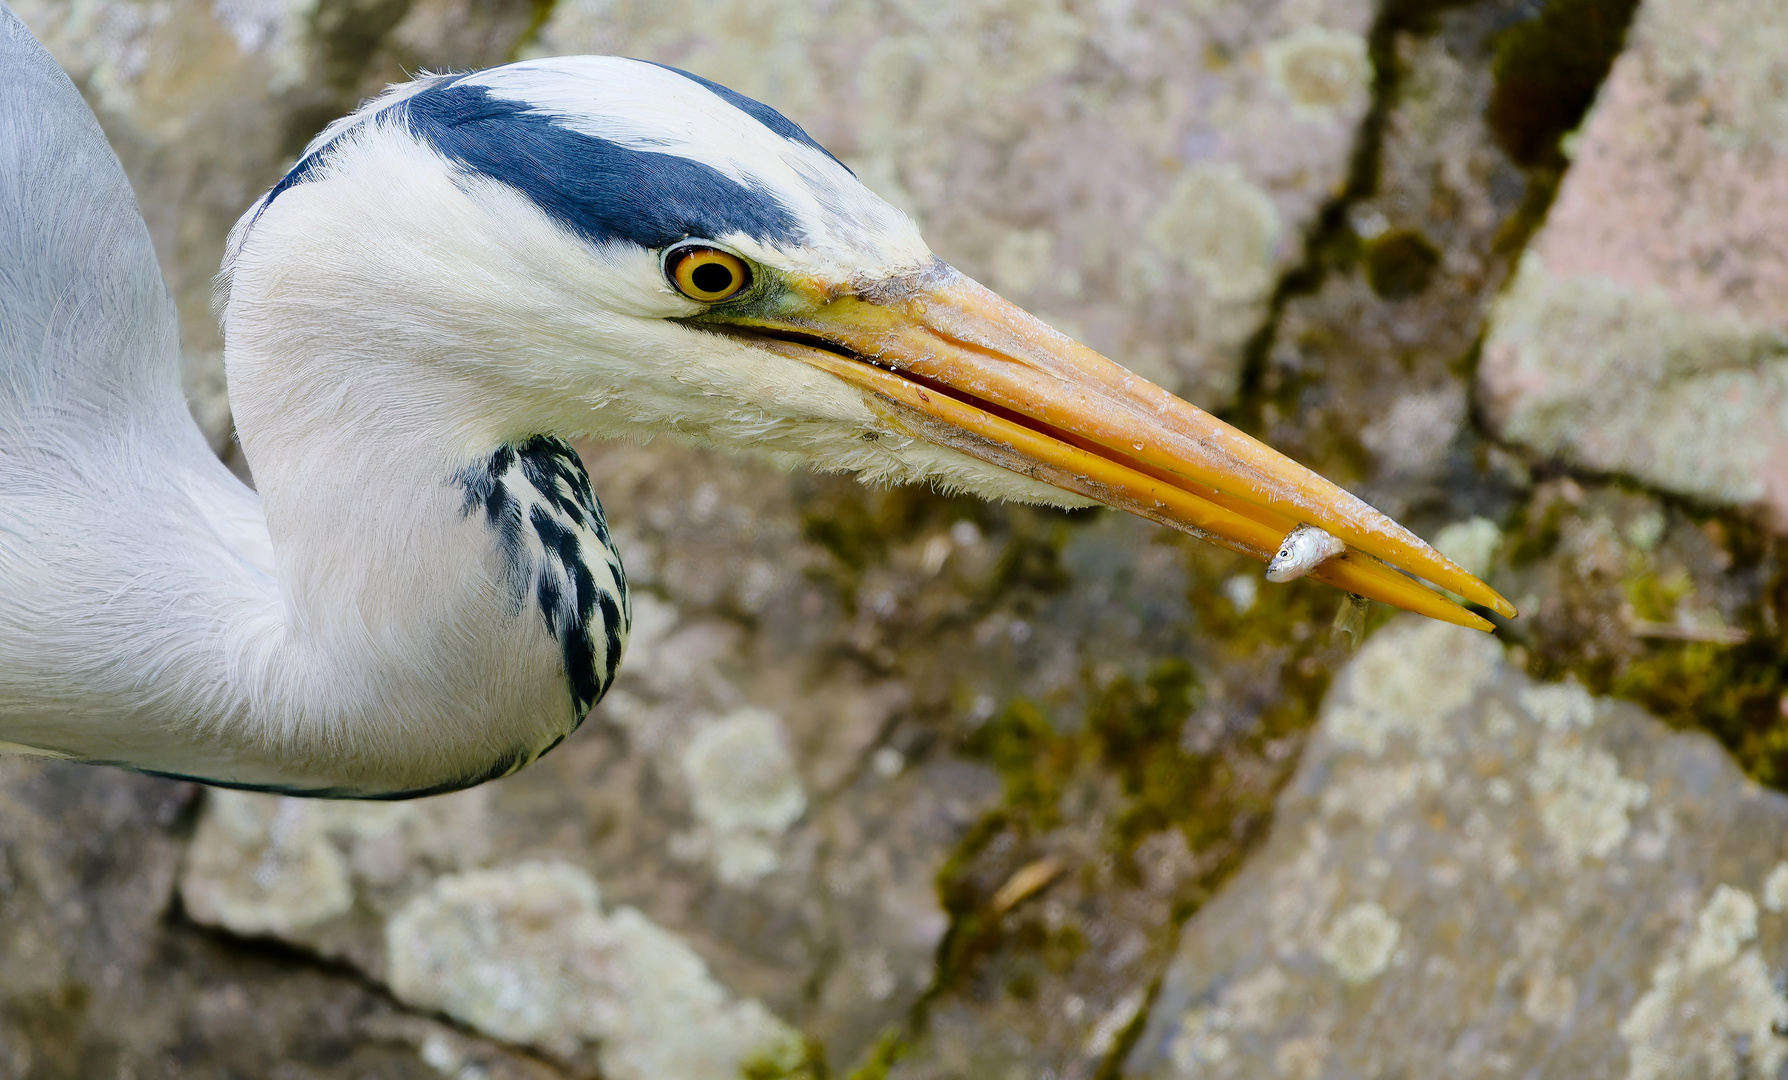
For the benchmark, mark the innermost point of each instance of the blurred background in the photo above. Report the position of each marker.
(895, 785)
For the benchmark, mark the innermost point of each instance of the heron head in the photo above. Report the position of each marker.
(601, 246)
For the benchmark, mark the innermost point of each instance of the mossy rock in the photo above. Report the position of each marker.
(1548, 69)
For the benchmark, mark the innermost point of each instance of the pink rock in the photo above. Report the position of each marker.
(1646, 331)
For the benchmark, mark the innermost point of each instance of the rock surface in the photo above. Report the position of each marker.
(1647, 331)
(99, 975)
(526, 953)
(1363, 378)
(1473, 874)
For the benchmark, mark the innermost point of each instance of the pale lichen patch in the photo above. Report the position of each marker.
(1727, 922)
(1302, 1059)
(1221, 228)
(1105, 1032)
(1248, 1005)
(1021, 261)
(275, 31)
(1711, 1010)
(1303, 892)
(741, 776)
(744, 789)
(1613, 377)
(1738, 76)
(1407, 680)
(1361, 942)
(1412, 436)
(1254, 1001)
(526, 953)
(1202, 1039)
(261, 865)
(266, 864)
(1560, 706)
(1583, 799)
(1374, 793)
(1775, 890)
(1242, 590)
(1472, 544)
(1548, 997)
(1319, 70)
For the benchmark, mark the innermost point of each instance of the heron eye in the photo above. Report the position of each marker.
(708, 275)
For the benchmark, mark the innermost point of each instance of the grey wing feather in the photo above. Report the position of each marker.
(88, 334)
(121, 535)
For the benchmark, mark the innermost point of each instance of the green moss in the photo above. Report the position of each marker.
(973, 930)
(1417, 16)
(1534, 531)
(888, 1049)
(1022, 984)
(1547, 70)
(1032, 560)
(1131, 734)
(1134, 731)
(1293, 616)
(1654, 597)
(54, 1023)
(847, 528)
(1034, 762)
(1400, 264)
(1117, 757)
(1735, 693)
(795, 1061)
(1131, 723)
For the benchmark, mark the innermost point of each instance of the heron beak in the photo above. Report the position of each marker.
(946, 360)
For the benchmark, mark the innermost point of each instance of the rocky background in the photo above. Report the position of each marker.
(895, 785)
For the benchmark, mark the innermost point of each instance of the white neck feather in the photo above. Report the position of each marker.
(354, 629)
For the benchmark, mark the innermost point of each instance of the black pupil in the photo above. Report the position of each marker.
(711, 277)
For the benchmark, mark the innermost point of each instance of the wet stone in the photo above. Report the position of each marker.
(1476, 874)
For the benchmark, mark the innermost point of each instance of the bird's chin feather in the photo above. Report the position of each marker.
(894, 460)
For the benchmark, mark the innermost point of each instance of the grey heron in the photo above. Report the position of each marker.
(471, 269)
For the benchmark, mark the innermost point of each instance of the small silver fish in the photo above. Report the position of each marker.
(1304, 549)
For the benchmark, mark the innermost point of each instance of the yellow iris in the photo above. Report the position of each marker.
(709, 275)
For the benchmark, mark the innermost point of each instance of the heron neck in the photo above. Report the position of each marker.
(404, 653)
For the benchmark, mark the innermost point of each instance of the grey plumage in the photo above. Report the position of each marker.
(86, 322)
